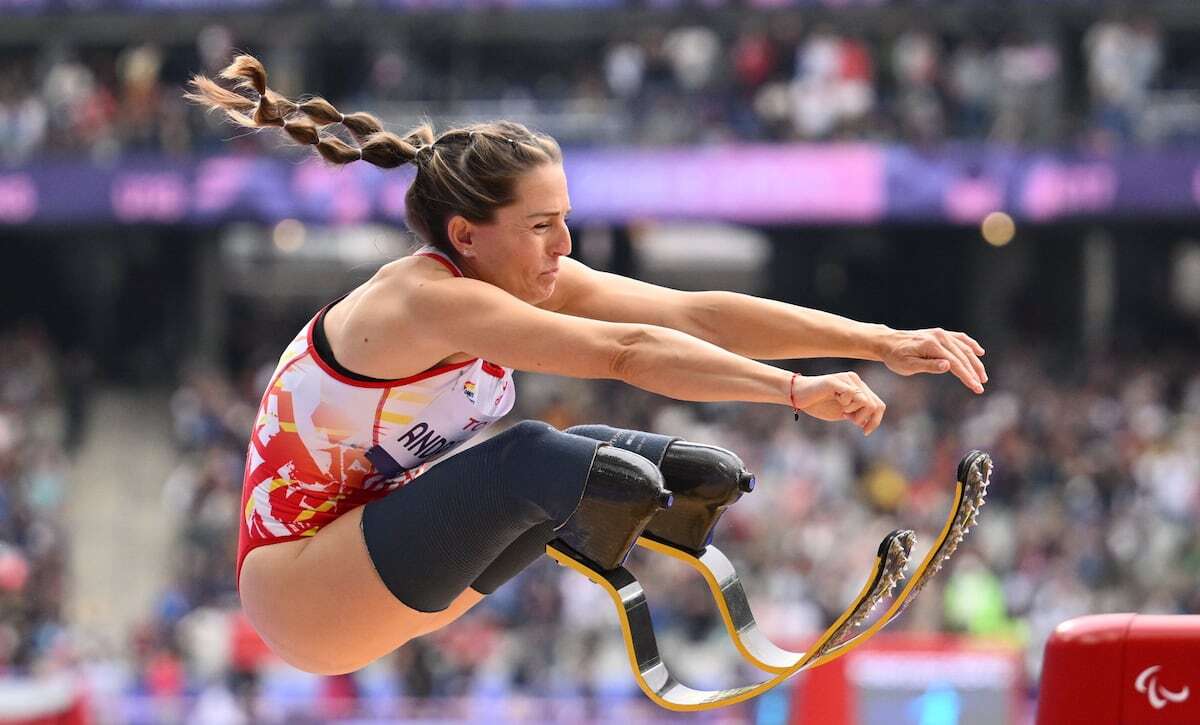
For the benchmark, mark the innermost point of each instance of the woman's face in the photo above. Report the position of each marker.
(518, 251)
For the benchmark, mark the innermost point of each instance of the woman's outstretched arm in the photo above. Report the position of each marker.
(765, 329)
(438, 318)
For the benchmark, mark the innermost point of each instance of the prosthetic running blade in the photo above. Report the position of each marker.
(974, 471)
(651, 672)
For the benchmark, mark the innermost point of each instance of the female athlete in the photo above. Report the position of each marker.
(350, 542)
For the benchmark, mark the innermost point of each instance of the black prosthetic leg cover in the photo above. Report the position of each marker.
(647, 445)
(624, 491)
(705, 480)
(435, 536)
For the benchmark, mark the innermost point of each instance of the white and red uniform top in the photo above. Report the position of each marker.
(323, 443)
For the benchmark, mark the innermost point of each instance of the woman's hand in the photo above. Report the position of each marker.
(934, 351)
(840, 396)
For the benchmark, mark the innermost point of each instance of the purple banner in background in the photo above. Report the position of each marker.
(963, 184)
(751, 183)
(757, 184)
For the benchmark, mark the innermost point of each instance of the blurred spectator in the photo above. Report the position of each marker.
(694, 52)
(916, 65)
(23, 117)
(754, 58)
(83, 111)
(972, 86)
(833, 84)
(1122, 61)
(624, 68)
(1027, 108)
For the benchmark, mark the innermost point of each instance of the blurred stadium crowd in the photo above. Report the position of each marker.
(41, 402)
(1105, 448)
(779, 80)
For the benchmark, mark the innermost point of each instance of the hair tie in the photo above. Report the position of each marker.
(359, 154)
(341, 117)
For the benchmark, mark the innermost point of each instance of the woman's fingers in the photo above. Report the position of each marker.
(872, 413)
(850, 400)
(860, 404)
(861, 418)
(824, 396)
(975, 346)
(971, 349)
(960, 366)
(877, 418)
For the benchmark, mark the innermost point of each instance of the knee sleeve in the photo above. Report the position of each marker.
(435, 536)
(647, 445)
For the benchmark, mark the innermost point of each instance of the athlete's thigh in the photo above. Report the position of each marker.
(320, 604)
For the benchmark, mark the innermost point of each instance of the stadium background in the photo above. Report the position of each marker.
(840, 155)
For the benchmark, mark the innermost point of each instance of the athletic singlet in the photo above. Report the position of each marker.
(323, 443)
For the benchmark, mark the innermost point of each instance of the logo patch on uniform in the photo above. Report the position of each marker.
(469, 390)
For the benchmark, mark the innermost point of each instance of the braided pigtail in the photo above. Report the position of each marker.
(250, 73)
(360, 125)
(236, 106)
(272, 109)
(388, 150)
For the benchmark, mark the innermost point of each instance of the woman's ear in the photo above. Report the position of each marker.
(459, 230)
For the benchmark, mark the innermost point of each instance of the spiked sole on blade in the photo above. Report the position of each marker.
(974, 475)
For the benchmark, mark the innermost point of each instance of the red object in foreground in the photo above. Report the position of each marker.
(1125, 669)
(52, 700)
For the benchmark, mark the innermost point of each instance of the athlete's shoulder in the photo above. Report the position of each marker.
(388, 327)
(384, 298)
(398, 280)
(416, 267)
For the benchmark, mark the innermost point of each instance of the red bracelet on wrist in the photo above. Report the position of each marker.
(792, 396)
